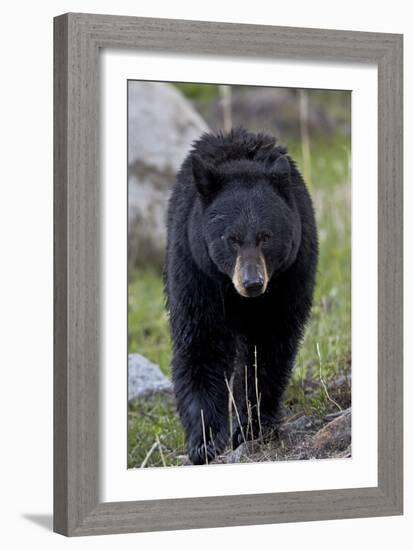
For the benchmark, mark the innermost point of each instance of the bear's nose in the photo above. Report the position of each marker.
(252, 280)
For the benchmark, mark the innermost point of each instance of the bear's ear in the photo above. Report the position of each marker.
(205, 177)
(281, 169)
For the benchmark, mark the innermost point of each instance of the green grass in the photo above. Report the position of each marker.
(148, 332)
(199, 92)
(330, 325)
(154, 422)
(329, 328)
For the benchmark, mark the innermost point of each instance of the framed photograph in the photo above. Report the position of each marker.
(228, 274)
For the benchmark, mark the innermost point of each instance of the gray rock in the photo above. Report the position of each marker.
(235, 456)
(145, 379)
(336, 414)
(242, 451)
(336, 435)
(162, 126)
(301, 424)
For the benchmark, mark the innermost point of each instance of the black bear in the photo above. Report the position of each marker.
(240, 270)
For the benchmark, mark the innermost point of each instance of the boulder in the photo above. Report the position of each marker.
(145, 379)
(334, 436)
(302, 423)
(162, 125)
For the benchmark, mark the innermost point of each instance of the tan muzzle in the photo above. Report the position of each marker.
(250, 276)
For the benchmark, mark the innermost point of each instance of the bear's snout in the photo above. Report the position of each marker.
(252, 280)
(250, 276)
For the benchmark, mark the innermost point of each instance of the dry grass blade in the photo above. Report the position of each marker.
(250, 428)
(204, 436)
(323, 382)
(257, 394)
(161, 451)
(211, 436)
(230, 409)
(230, 393)
(148, 455)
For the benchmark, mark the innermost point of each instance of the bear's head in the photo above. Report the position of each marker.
(249, 220)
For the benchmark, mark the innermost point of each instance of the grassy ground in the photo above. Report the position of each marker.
(326, 351)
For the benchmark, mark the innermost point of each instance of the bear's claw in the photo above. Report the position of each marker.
(267, 430)
(199, 455)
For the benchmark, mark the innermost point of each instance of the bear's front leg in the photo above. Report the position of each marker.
(268, 364)
(203, 351)
(199, 377)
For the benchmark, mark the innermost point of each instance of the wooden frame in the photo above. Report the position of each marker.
(78, 39)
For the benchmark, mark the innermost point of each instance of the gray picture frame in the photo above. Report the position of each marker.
(78, 39)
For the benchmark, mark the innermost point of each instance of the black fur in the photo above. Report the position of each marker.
(233, 191)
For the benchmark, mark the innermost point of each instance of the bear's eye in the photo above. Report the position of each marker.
(234, 241)
(263, 237)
